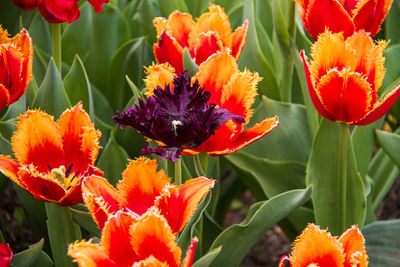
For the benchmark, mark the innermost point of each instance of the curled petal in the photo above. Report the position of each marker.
(187, 262)
(57, 11)
(239, 39)
(354, 248)
(9, 168)
(11, 62)
(4, 97)
(177, 205)
(207, 44)
(88, 254)
(179, 26)
(158, 75)
(168, 50)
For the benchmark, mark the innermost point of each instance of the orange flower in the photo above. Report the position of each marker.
(210, 33)
(316, 247)
(344, 77)
(53, 157)
(129, 240)
(230, 89)
(142, 188)
(347, 16)
(15, 66)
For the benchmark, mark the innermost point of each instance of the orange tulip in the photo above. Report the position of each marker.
(316, 247)
(344, 77)
(347, 16)
(143, 188)
(53, 157)
(230, 89)
(15, 66)
(210, 33)
(129, 240)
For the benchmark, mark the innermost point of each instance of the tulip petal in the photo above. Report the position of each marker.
(90, 255)
(150, 262)
(187, 262)
(315, 246)
(141, 184)
(354, 248)
(101, 198)
(26, 5)
(98, 4)
(179, 25)
(57, 11)
(80, 139)
(239, 39)
(151, 235)
(177, 205)
(168, 50)
(9, 168)
(4, 97)
(5, 255)
(369, 15)
(380, 108)
(327, 13)
(208, 44)
(158, 75)
(345, 95)
(38, 141)
(42, 186)
(11, 60)
(115, 238)
(73, 195)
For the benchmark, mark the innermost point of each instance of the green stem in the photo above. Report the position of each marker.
(204, 161)
(342, 177)
(197, 166)
(56, 44)
(178, 172)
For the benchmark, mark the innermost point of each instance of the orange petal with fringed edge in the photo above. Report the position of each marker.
(179, 25)
(208, 43)
(80, 138)
(369, 14)
(187, 262)
(152, 236)
(345, 95)
(354, 248)
(4, 97)
(150, 262)
(101, 198)
(73, 195)
(315, 246)
(37, 140)
(141, 184)
(239, 39)
(116, 238)
(177, 204)
(327, 13)
(158, 75)
(11, 62)
(88, 254)
(168, 50)
(42, 186)
(214, 73)
(9, 168)
(249, 136)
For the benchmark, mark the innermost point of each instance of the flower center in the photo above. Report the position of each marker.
(64, 176)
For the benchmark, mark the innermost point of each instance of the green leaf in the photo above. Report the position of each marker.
(274, 177)
(324, 170)
(207, 259)
(188, 63)
(51, 96)
(113, 160)
(29, 256)
(5, 146)
(390, 143)
(238, 239)
(135, 91)
(77, 86)
(197, 7)
(383, 243)
(84, 219)
(392, 23)
(169, 6)
(146, 12)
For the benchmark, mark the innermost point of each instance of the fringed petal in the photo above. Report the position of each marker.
(179, 25)
(187, 262)
(150, 262)
(9, 168)
(208, 43)
(168, 50)
(354, 248)
(239, 39)
(87, 254)
(4, 97)
(158, 75)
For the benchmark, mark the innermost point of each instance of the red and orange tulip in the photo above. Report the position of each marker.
(347, 16)
(15, 66)
(53, 157)
(210, 33)
(344, 77)
(141, 189)
(129, 240)
(5, 255)
(230, 89)
(316, 247)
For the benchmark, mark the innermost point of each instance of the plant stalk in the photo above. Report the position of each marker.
(178, 172)
(342, 177)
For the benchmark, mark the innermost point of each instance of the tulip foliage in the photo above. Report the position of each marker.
(129, 129)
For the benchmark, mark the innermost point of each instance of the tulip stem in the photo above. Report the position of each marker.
(197, 166)
(56, 44)
(178, 172)
(342, 176)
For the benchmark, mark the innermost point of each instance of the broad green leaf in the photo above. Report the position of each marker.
(274, 177)
(135, 91)
(207, 259)
(291, 140)
(113, 160)
(390, 143)
(325, 171)
(33, 256)
(197, 7)
(169, 6)
(5, 146)
(392, 23)
(238, 239)
(77, 86)
(383, 243)
(146, 12)
(51, 96)
(85, 220)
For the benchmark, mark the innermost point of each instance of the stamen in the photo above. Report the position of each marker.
(175, 123)
(48, 166)
(68, 170)
(59, 173)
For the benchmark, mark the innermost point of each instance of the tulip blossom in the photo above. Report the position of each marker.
(316, 247)
(52, 158)
(230, 89)
(5, 255)
(180, 117)
(141, 189)
(344, 77)
(210, 33)
(347, 16)
(15, 66)
(129, 240)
